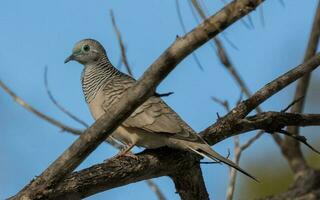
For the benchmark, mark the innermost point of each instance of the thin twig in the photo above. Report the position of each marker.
(248, 26)
(202, 14)
(224, 104)
(262, 18)
(292, 104)
(194, 55)
(122, 47)
(251, 140)
(298, 138)
(155, 188)
(55, 102)
(233, 172)
(36, 112)
(66, 128)
(47, 118)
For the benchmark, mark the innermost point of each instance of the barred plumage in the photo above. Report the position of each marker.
(152, 125)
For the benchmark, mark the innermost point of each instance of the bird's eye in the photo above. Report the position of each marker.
(86, 48)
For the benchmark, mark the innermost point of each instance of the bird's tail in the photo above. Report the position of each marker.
(206, 151)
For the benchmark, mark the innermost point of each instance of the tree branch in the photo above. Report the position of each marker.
(190, 184)
(164, 162)
(122, 171)
(291, 148)
(37, 112)
(134, 97)
(244, 108)
(122, 47)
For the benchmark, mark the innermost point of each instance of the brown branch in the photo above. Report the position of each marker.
(122, 171)
(248, 26)
(270, 121)
(291, 148)
(245, 107)
(73, 131)
(163, 162)
(226, 62)
(190, 184)
(134, 97)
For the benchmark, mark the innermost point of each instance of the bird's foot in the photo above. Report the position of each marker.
(125, 152)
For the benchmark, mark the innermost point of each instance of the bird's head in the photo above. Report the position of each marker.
(86, 51)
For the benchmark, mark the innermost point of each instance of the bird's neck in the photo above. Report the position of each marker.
(95, 76)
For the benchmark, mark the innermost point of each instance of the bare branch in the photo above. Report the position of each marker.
(298, 138)
(190, 184)
(122, 171)
(155, 188)
(251, 140)
(248, 26)
(292, 103)
(233, 173)
(162, 162)
(134, 97)
(43, 116)
(194, 55)
(245, 107)
(122, 48)
(73, 131)
(291, 148)
(261, 14)
(56, 103)
(223, 103)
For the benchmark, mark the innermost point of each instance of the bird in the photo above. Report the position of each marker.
(152, 125)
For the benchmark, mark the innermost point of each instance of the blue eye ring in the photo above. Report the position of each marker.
(86, 48)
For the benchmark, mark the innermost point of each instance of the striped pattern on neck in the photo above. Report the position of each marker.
(95, 76)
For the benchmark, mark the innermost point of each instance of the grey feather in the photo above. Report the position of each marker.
(154, 124)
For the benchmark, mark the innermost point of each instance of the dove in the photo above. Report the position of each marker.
(152, 125)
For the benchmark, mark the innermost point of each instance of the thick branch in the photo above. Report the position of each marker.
(274, 121)
(164, 162)
(190, 184)
(123, 171)
(134, 97)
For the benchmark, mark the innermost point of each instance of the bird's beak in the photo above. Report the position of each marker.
(71, 57)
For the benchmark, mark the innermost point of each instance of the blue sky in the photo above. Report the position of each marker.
(36, 34)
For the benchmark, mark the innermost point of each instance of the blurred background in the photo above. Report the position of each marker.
(35, 34)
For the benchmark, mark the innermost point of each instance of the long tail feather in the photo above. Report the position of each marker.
(212, 155)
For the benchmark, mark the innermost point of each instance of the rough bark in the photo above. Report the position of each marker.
(164, 162)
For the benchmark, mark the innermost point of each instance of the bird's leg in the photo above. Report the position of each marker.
(125, 152)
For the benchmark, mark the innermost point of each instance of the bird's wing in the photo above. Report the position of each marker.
(154, 116)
